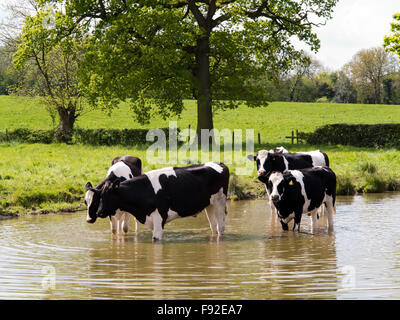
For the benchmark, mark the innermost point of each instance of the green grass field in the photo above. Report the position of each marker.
(274, 121)
(47, 178)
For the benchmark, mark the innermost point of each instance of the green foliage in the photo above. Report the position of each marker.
(345, 185)
(360, 135)
(368, 167)
(151, 53)
(27, 136)
(111, 137)
(374, 183)
(108, 137)
(392, 42)
(52, 58)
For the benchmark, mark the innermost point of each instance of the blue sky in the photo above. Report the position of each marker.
(356, 25)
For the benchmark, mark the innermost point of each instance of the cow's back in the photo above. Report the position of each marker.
(191, 189)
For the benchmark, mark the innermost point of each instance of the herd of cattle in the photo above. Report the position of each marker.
(296, 183)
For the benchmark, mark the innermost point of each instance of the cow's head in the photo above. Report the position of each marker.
(108, 198)
(280, 149)
(282, 186)
(92, 200)
(268, 162)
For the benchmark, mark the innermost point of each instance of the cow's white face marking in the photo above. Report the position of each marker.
(120, 169)
(154, 176)
(214, 166)
(88, 200)
(275, 178)
(262, 156)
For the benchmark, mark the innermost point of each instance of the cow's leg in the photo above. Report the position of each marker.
(114, 223)
(329, 209)
(212, 219)
(314, 217)
(285, 221)
(136, 226)
(219, 203)
(157, 225)
(274, 211)
(125, 221)
(322, 212)
(297, 220)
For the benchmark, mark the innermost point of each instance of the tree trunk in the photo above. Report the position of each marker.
(291, 95)
(204, 101)
(67, 119)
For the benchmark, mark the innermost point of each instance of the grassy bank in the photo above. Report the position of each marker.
(39, 178)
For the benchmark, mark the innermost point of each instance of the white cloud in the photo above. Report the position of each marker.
(356, 25)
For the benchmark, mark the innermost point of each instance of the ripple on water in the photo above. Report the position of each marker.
(254, 260)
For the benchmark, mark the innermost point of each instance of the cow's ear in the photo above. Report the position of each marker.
(251, 157)
(88, 186)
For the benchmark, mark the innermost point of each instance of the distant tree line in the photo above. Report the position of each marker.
(372, 76)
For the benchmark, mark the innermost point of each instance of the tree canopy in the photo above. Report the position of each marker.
(155, 53)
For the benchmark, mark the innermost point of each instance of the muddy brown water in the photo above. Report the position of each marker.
(60, 256)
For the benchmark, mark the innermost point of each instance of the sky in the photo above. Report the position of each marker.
(356, 25)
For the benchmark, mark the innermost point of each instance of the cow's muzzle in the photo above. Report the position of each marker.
(275, 198)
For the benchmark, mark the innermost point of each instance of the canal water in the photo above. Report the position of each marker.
(60, 256)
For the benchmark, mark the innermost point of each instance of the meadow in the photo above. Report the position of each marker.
(40, 178)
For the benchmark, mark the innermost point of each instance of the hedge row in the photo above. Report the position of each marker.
(85, 136)
(358, 135)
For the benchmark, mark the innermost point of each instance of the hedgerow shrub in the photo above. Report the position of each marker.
(359, 135)
(85, 136)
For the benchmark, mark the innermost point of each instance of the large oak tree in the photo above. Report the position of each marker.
(155, 53)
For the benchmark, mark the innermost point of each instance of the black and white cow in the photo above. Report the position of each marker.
(160, 196)
(125, 167)
(297, 192)
(270, 160)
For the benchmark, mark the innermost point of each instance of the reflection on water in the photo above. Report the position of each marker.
(63, 257)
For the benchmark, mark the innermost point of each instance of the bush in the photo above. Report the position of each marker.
(374, 183)
(359, 135)
(368, 167)
(27, 135)
(85, 136)
(345, 186)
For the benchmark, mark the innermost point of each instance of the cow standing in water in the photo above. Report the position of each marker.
(125, 168)
(162, 195)
(295, 192)
(279, 159)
